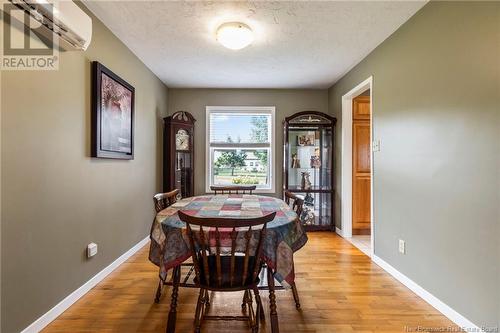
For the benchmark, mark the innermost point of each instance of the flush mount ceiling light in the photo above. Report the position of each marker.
(234, 35)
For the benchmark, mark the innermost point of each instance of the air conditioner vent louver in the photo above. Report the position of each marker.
(63, 18)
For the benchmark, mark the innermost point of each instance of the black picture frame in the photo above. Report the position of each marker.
(101, 144)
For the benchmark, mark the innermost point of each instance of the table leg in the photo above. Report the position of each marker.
(172, 315)
(295, 296)
(272, 302)
(158, 291)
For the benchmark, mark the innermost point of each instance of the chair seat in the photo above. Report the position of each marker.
(238, 282)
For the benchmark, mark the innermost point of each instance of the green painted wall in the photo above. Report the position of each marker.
(436, 109)
(55, 198)
(286, 101)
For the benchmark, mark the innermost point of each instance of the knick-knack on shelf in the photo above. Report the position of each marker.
(307, 217)
(305, 183)
(315, 162)
(309, 200)
(295, 161)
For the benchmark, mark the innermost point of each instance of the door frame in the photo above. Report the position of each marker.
(346, 161)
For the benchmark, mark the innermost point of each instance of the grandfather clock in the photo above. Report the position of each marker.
(178, 153)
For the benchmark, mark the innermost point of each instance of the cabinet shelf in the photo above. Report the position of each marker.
(310, 168)
(313, 189)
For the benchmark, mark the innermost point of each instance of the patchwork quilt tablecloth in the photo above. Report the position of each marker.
(285, 235)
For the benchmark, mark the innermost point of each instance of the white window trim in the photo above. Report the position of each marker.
(272, 146)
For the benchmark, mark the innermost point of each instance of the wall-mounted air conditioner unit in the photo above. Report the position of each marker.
(61, 18)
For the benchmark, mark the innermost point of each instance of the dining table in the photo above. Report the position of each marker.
(170, 245)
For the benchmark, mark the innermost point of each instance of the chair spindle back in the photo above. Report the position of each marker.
(210, 239)
(236, 189)
(163, 200)
(297, 204)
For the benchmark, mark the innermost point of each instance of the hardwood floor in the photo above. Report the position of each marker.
(340, 290)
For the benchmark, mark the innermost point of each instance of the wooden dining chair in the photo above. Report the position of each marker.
(296, 202)
(163, 200)
(223, 265)
(233, 189)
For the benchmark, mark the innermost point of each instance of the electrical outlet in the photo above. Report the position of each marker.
(402, 246)
(91, 250)
(376, 145)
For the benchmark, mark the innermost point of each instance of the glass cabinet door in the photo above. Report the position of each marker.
(326, 159)
(317, 209)
(183, 169)
(309, 159)
(309, 166)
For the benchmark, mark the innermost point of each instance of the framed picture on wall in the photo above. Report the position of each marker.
(112, 115)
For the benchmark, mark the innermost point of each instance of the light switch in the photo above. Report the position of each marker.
(376, 145)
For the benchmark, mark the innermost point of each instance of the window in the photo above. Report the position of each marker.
(240, 147)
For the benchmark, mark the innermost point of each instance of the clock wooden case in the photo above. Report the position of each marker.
(178, 153)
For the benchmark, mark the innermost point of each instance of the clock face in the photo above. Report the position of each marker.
(182, 140)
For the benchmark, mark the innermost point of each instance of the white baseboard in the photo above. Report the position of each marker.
(339, 232)
(446, 310)
(57, 310)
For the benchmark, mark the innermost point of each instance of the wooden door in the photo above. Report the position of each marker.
(361, 166)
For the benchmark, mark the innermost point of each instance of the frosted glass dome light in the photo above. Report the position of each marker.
(234, 35)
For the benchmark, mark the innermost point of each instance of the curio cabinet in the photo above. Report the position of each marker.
(309, 166)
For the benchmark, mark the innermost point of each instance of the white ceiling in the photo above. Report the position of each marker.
(297, 45)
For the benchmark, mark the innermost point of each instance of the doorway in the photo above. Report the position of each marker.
(357, 223)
